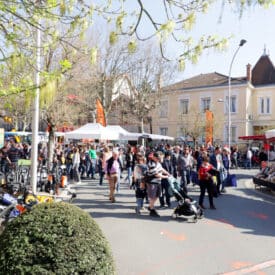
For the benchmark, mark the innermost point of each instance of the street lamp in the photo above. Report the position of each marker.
(242, 42)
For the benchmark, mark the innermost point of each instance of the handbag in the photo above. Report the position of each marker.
(194, 177)
(214, 189)
(231, 180)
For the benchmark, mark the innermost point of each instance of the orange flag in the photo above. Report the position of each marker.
(209, 127)
(100, 114)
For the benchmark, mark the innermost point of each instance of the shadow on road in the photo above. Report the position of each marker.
(241, 207)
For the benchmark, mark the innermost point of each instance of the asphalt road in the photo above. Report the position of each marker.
(237, 238)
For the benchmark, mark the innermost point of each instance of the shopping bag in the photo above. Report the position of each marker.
(194, 177)
(231, 180)
(214, 189)
(7, 199)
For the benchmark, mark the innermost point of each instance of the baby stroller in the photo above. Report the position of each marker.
(187, 207)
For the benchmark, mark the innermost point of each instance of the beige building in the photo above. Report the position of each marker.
(182, 107)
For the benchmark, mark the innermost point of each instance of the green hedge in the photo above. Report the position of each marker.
(54, 238)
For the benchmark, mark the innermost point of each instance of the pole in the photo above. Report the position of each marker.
(35, 118)
(242, 42)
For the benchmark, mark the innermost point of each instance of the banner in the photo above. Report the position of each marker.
(100, 114)
(209, 127)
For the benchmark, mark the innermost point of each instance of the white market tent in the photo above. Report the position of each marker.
(110, 132)
(156, 137)
(92, 131)
(269, 134)
(123, 134)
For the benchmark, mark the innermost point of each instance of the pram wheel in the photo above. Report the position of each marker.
(174, 216)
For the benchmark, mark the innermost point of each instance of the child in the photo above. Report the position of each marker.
(138, 176)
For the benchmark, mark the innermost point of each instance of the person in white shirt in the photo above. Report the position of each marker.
(76, 162)
(249, 155)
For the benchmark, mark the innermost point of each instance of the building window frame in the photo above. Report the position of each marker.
(233, 104)
(205, 104)
(163, 131)
(163, 109)
(183, 106)
(264, 105)
(233, 133)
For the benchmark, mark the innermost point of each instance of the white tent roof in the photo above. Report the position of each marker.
(270, 133)
(156, 137)
(123, 134)
(92, 131)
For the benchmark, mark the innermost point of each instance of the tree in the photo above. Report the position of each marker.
(175, 23)
(193, 124)
(148, 73)
(99, 80)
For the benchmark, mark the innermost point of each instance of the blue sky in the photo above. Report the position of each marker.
(256, 26)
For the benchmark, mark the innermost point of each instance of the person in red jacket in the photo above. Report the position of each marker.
(206, 182)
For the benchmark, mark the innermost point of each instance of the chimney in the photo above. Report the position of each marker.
(248, 72)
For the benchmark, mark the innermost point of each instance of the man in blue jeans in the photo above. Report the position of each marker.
(185, 163)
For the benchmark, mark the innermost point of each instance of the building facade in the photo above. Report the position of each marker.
(182, 108)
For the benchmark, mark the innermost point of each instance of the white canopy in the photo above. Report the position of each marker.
(156, 137)
(123, 134)
(92, 131)
(270, 134)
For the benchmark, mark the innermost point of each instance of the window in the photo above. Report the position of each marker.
(233, 134)
(264, 105)
(181, 132)
(184, 104)
(233, 104)
(205, 104)
(163, 131)
(163, 108)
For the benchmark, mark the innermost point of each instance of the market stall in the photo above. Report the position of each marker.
(92, 131)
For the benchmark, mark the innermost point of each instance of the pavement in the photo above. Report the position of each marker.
(133, 238)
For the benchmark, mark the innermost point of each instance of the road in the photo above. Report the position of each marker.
(237, 238)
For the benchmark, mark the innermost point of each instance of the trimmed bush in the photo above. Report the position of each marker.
(54, 238)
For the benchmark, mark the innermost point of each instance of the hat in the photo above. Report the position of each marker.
(226, 149)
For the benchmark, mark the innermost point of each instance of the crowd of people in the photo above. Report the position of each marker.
(147, 169)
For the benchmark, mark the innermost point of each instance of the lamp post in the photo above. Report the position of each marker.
(35, 112)
(242, 42)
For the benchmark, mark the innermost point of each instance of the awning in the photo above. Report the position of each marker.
(258, 137)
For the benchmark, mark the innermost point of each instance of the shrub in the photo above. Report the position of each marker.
(54, 238)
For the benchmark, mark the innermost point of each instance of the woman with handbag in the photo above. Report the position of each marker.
(206, 172)
(112, 173)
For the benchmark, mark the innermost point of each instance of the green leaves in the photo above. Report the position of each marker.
(93, 55)
(189, 21)
(132, 46)
(65, 65)
(113, 38)
(55, 238)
